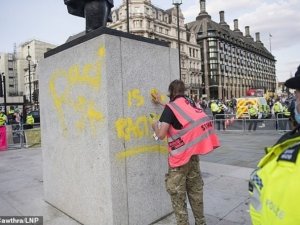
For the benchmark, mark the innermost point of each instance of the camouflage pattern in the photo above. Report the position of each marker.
(184, 180)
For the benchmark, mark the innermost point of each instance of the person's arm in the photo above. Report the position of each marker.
(160, 129)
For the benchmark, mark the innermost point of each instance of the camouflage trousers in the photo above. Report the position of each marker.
(182, 181)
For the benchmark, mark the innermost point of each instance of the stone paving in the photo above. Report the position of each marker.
(225, 174)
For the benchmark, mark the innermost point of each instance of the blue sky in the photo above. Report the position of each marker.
(49, 21)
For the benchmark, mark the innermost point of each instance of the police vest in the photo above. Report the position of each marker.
(214, 107)
(277, 107)
(29, 119)
(196, 137)
(286, 112)
(252, 111)
(2, 119)
(274, 186)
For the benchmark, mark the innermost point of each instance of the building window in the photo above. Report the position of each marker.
(213, 55)
(212, 43)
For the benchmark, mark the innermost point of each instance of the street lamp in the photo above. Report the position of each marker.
(127, 15)
(28, 58)
(3, 90)
(177, 3)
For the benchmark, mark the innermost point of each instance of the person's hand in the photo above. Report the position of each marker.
(156, 97)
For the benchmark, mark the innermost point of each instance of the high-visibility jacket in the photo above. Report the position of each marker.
(286, 111)
(252, 111)
(196, 137)
(214, 107)
(29, 120)
(2, 119)
(277, 108)
(274, 186)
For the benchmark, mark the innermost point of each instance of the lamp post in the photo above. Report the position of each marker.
(177, 3)
(4, 90)
(28, 58)
(127, 15)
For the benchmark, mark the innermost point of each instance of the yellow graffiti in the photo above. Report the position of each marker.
(141, 150)
(127, 128)
(90, 75)
(156, 95)
(135, 98)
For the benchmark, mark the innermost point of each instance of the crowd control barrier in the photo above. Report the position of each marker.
(23, 136)
(231, 123)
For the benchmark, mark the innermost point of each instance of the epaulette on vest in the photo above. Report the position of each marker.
(290, 154)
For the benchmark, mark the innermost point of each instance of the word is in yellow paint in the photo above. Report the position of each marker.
(135, 98)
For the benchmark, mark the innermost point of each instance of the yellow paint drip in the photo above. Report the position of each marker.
(141, 150)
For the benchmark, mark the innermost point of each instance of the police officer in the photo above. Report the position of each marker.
(180, 122)
(29, 121)
(286, 115)
(214, 108)
(274, 186)
(220, 115)
(253, 113)
(277, 109)
(3, 118)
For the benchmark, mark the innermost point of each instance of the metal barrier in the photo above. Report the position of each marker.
(231, 123)
(21, 135)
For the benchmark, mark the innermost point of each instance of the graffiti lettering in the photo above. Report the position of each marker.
(90, 75)
(135, 98)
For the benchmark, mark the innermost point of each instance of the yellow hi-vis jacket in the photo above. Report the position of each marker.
(29, 120)
(214, 107)
(275, 186)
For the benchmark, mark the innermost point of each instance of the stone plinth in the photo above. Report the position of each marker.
(101, 165)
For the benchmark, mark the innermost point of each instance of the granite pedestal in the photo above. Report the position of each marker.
(101, 165)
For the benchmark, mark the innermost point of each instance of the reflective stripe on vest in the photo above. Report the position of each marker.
(197, 136)
(187, 129)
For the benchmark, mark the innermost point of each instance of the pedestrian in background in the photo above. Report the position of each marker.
(189, 133)
(220, 115)
(253, 113)
(3, 118)
(29, 121)
(277, 110)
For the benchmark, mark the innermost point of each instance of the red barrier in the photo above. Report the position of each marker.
(3, 139)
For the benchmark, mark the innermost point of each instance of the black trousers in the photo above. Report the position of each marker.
(253, 122)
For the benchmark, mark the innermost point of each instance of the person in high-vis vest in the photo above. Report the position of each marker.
(274, 185)
(286, 116)
(189, 133)
(277, 109)
(253, 114)
(29, 121)
(3, 118)
(214, 108)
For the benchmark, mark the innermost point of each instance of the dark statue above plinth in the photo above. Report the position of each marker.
(96, 12)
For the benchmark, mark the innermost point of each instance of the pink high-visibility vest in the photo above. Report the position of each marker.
(197, 136)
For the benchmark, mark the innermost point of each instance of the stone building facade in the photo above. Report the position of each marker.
(232, 63)
(36, 50)
(149, 21)
(15, 67)
(216, 62)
